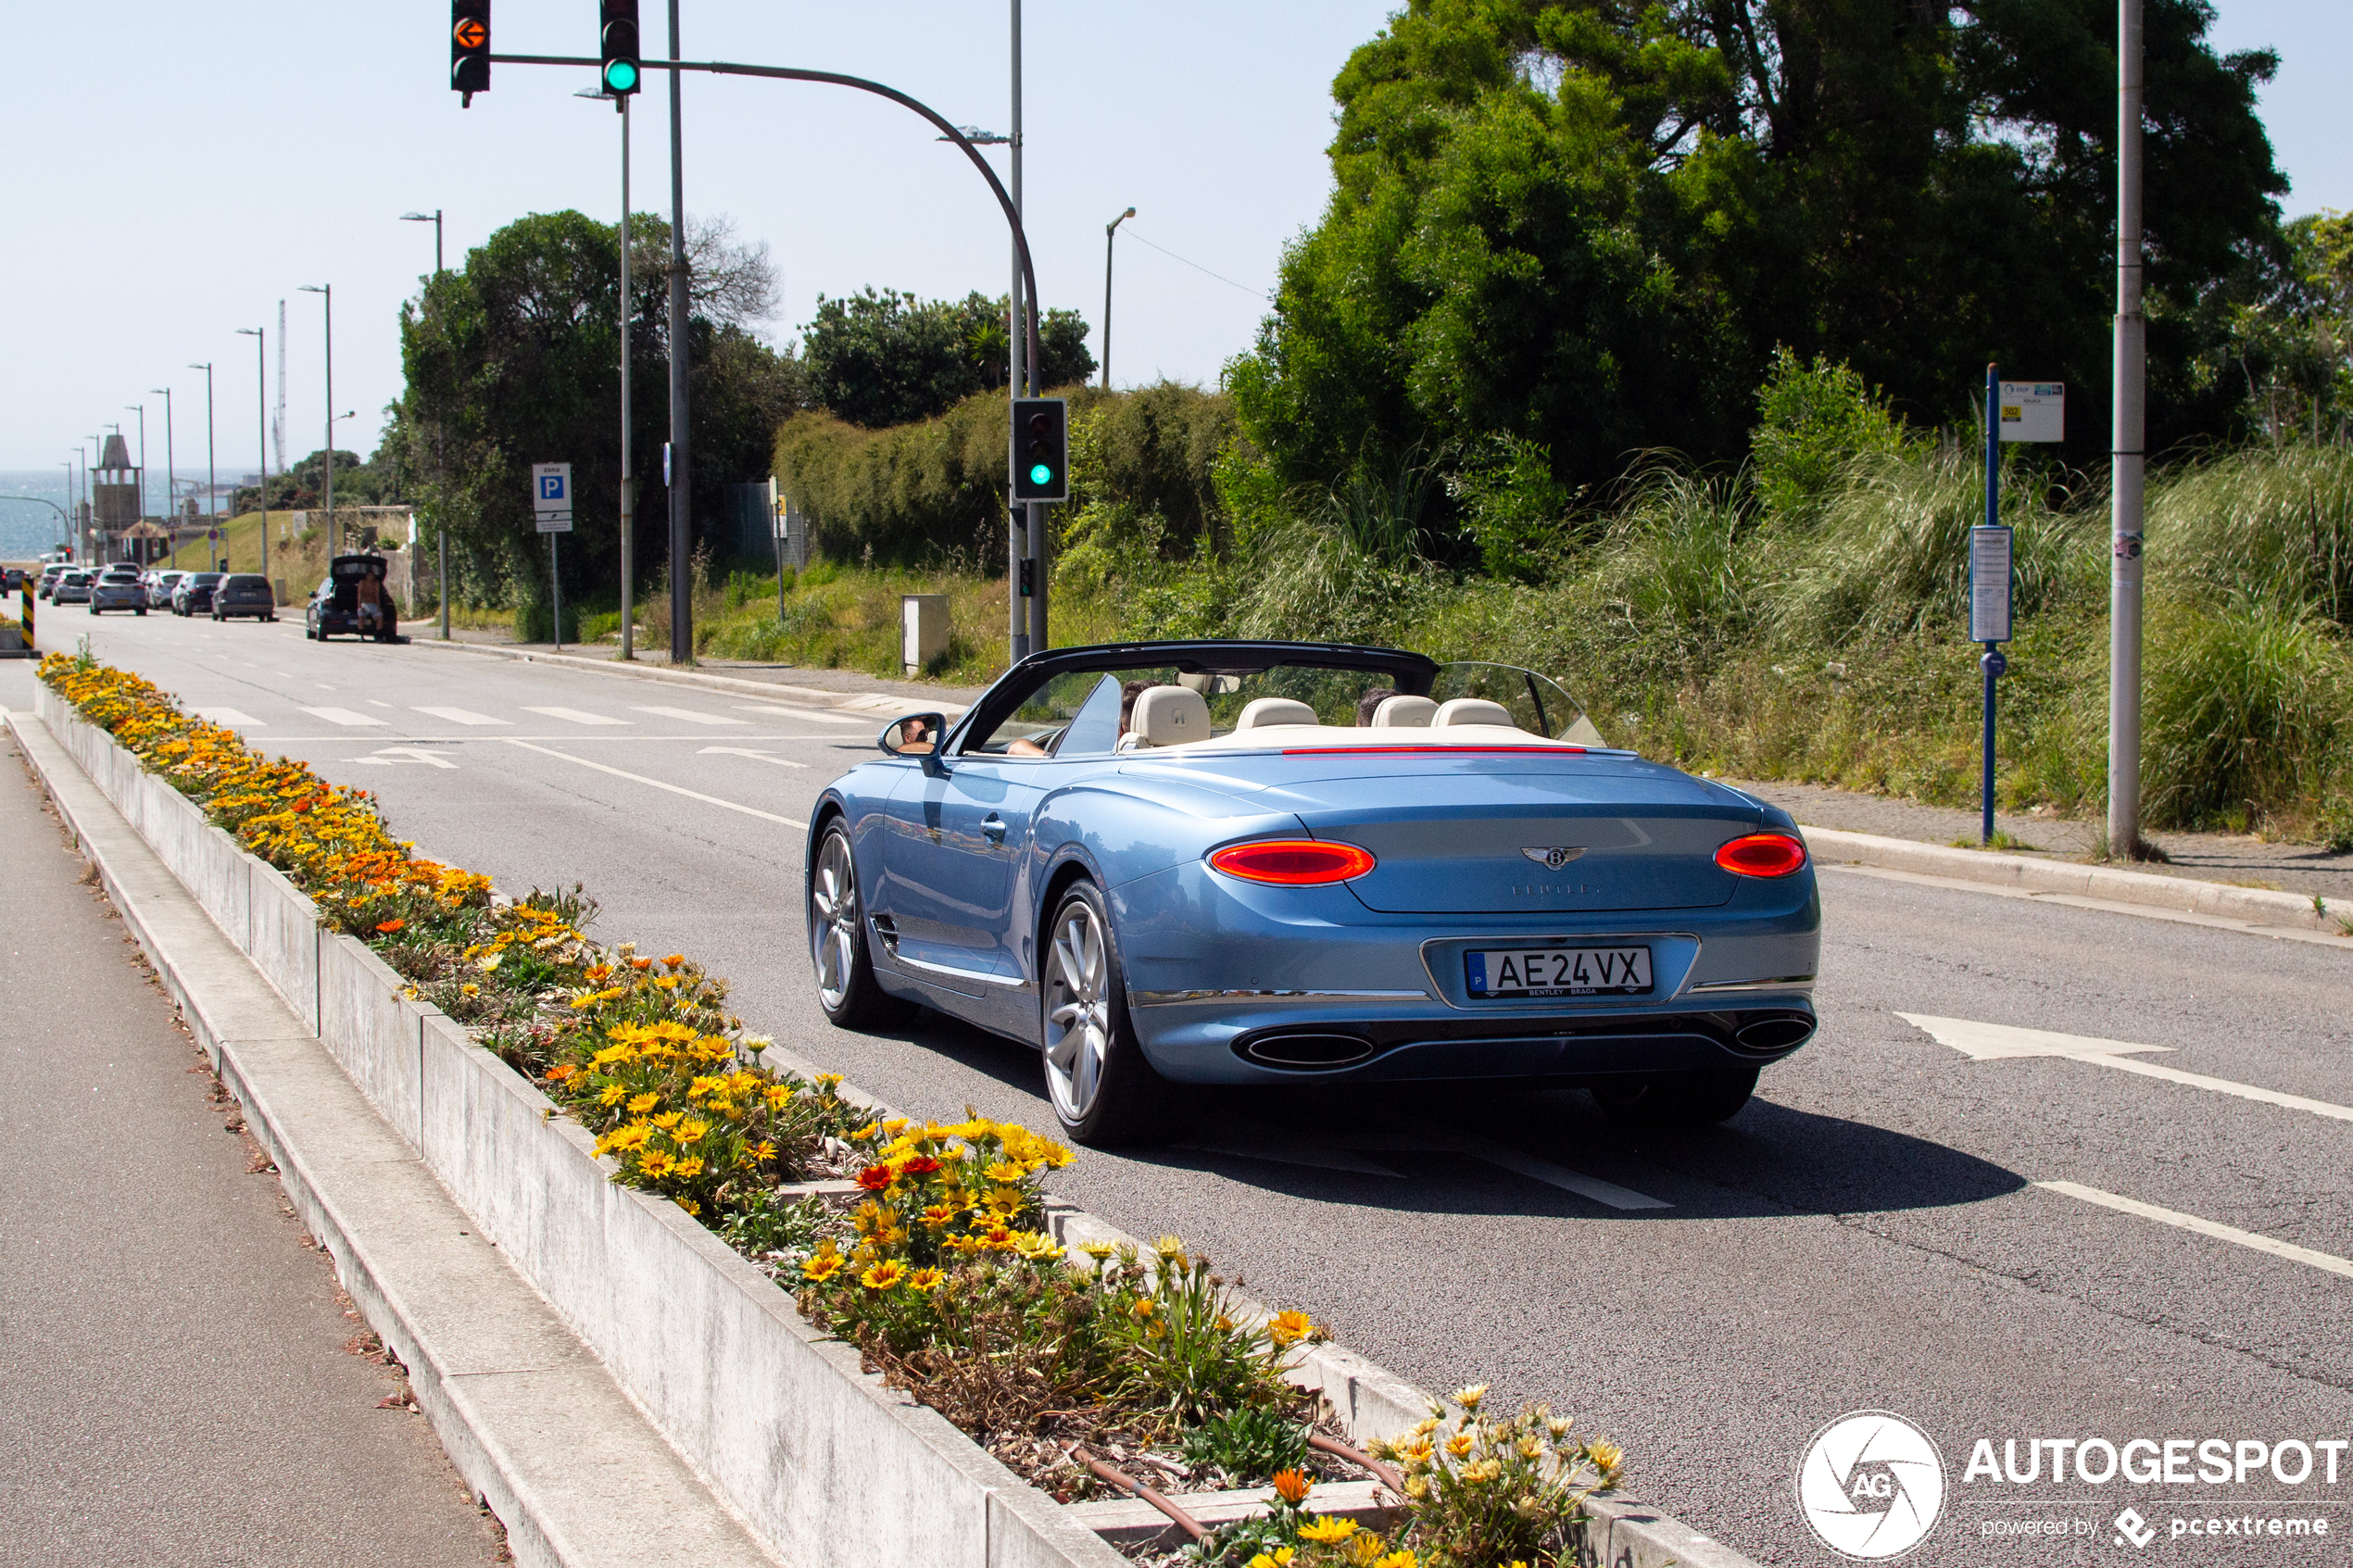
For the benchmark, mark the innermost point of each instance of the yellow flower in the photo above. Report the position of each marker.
(924, 1281)
(937, 1215)
(1363, 1548)
(654, 1162)
(1170, 1248)
(690, 1205)
(640, 1104)
(689, 1166)
(1098, 1251)
(883, 1275)
(1479, 1471)
(777, 1095)
(1401, 1558)
(1468, 1398)
(1286, 1329)
(1459, 1444)
(1328, 1530)
(1605, 1456)
(1005, 1170)
(821, 1268)
(669, 1119)
(688, 1132)
(1143, 1307)
(611, 1094)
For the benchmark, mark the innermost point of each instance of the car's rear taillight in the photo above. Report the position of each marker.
(1292, 862)
(1763, 854)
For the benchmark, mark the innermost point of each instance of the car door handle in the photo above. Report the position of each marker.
(994, 826)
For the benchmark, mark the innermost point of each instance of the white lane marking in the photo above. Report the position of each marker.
(575, 716)
(658, 784)
(688, 714)
(800, 714)
(747, 751)
(1986, 1042)
(323, 685)
(2106, 906)
(229, 716)
(1512, 1159)
(2277, 1248)
(394, 755)
(343, 716)
(1283, 1152)
(463, 716)
(374, 703)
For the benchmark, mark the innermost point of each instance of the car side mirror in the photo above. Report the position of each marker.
(918, 735)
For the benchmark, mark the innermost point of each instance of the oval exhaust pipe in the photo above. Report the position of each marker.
(1779, 1032)
(1299, 1053)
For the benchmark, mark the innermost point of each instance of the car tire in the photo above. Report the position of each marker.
(1700, 1099)
(141, 612)
(843, 966)
(1103, 1091)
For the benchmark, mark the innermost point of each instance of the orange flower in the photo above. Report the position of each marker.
(389, 926)
(1290, 1486)
(676, 960)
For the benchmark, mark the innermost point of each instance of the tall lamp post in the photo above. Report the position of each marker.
(1111, 231)
(628, 473)
(261, 407)
(171, 487)
(212, 474)
(440, 533)
(141, 410)
(677, 472)
(73, 501)
(2128, 458)
(335, 529)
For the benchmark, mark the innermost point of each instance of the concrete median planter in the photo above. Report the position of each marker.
(819, 1460)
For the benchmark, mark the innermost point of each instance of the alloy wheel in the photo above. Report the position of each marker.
(1077, 1009)
(833, 921)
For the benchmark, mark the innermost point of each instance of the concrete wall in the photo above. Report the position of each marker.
(821, 1460)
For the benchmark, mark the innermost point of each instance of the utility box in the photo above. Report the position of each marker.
(923, 629)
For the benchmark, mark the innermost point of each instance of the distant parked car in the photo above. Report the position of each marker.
(352, 598)
(244, 594)
(14, 580)
(193, 594)
(49, 575)
(159, 586)
(118, 587)
(72, 587)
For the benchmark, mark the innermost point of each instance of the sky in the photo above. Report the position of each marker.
(177, 170)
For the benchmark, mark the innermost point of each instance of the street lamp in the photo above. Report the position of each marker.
(628, 474)
(212, 474)
(262, 409)
(1110, 231)
(335, 529)
(441, 534)
(170, 496)
(433, 218)
(141, 409)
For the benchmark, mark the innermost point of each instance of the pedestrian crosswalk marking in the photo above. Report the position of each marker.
(229, 716)
(343, 716)
(575, 716)
(466, 716)
(690, 715)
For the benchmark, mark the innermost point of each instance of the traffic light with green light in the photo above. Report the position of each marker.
(617, 41)
(1041, 449)
(468, 48)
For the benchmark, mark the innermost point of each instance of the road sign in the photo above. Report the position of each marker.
(213, 534)
(1989, 585)
(551, 496)
(2033, 410)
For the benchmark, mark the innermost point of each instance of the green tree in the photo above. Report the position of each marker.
(1589, 224)
(888, 359)
(514, 359)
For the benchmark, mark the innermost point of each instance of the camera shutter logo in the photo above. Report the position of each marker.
(1870, 1485)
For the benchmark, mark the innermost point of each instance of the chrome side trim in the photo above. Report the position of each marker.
(1179, 999)
(976, 976)
(1727, 987)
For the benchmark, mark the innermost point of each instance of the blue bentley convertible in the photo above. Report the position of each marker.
(1230, 862)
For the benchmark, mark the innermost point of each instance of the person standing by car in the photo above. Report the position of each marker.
(372, 605)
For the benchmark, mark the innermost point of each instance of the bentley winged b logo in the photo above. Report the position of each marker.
(1555, 856)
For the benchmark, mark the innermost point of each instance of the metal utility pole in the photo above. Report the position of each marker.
(171, 469)
(1111, 231)
(142, 407)
(211, 473)
(628, 469)
(334, 529)
(440, 533)
(261, 432)
(1026, 533)
(433, 218)
(2128, 457)
(679, 474)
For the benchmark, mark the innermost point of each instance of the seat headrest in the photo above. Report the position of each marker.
(1403, 713)
(1473, 711)
(1273, 710)
(1169, 716)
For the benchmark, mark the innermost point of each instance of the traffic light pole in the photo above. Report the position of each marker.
(681, 601)
(680, 475)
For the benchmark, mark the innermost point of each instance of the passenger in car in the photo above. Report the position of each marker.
(1369, 704)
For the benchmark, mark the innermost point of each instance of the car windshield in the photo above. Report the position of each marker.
(1089, 712)
(204, 579)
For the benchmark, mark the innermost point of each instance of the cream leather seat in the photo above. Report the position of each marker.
(1166, 716)
(1402, 712)
(1262, 711)
(1472, 710)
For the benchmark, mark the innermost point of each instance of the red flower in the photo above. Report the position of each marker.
(921, 1165)
(873, 1178)
(389, 926)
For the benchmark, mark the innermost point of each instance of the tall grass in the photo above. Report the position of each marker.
(2271, 523)
(2245, 711)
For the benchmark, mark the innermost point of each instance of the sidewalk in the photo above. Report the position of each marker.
(178, 1388)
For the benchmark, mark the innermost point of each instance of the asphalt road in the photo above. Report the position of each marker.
(175, 1384)
(1876, 1231)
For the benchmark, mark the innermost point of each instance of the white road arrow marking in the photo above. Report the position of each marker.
(2175, 1217)
(1989, 1042)
(394, 755)
(747, 751)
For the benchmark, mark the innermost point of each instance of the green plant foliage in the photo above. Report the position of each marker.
(2242, 703)
(1590, 223)
(2273, 522)
(1245, 1446)
(888, 359)
(1813, 420)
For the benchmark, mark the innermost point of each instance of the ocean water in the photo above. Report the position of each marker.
(26, 528)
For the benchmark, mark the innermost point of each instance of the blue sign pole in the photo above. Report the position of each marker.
(1993, 662)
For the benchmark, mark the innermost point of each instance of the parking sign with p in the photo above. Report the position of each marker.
(551, 496)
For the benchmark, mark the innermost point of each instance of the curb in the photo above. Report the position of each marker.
(534, 1424)
(2257, 909)
(528, 1457)
(880, 702)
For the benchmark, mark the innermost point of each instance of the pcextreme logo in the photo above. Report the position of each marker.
(1870, 1485)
